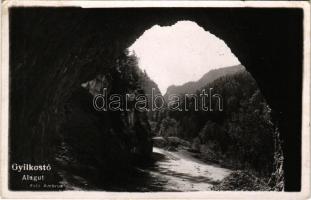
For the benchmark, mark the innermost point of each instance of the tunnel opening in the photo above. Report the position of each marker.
(88, 48)
(186, 59)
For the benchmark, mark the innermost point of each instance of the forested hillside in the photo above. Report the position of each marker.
(241, 136)
(193, 86)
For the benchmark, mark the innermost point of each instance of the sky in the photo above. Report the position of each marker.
(183, 52)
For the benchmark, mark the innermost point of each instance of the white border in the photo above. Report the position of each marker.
(305, 189)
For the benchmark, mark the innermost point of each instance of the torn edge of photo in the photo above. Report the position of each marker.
(155, 99)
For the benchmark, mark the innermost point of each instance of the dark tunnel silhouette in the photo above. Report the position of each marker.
(268, 42)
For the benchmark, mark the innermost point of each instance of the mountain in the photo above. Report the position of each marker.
(192, 86)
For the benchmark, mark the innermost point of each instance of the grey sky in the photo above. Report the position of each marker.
(174, 55)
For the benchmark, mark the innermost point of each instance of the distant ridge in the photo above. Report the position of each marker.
(193, 86)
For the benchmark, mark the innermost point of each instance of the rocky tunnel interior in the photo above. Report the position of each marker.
(54, 50)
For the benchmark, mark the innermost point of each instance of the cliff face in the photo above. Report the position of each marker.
(56, 109)
(54, 50)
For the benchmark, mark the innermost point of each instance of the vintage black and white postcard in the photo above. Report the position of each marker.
(155, 99)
